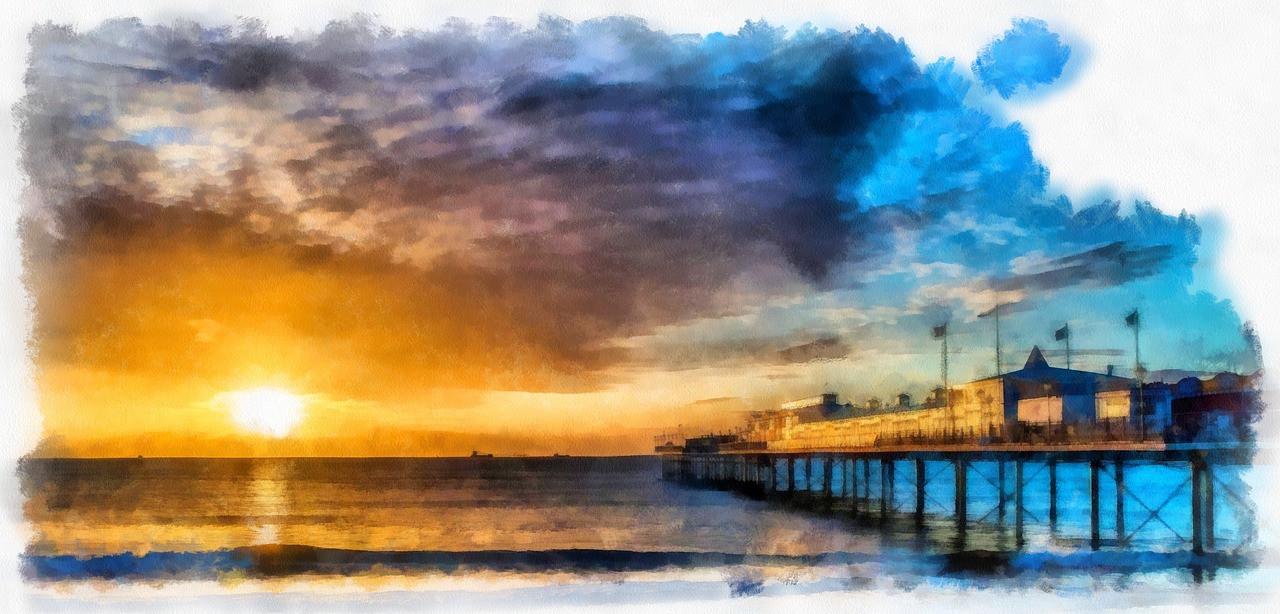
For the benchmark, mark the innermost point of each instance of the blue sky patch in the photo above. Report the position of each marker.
(1029, 55)
(162, 135)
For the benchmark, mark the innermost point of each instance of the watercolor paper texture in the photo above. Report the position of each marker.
(517, 309)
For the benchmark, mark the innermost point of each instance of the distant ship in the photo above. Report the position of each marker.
(559, 455)
(475, 454)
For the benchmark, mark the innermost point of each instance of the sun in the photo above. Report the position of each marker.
(265, 410)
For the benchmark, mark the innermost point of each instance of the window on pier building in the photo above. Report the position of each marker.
(1040, 409)
(1113, 404)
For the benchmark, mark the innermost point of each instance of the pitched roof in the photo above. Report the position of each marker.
(1036, 359)
(1037, 369)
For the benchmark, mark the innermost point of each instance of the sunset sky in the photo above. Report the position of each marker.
(566, 237)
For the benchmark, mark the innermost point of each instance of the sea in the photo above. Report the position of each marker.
(308, 534)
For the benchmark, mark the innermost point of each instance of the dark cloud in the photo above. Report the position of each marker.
(794, 348)
(555, 189)
(1108, 353)
(252, 67)
(825, 348)
(1110, 265)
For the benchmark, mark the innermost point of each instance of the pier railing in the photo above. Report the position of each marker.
(1029, 433)
(1057, 433)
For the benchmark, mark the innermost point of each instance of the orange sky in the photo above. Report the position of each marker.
(140, 327)
(566, 238)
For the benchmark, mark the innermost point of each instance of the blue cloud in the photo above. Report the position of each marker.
(1027, 56)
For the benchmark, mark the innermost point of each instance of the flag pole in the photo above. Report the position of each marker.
(1141, 373)
(1064, 334)
(1134, 319)
(999, 366)
(946, 388)
(940, 332)
(1067, 326)
(995, 311)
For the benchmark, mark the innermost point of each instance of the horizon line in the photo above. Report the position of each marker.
(495, 456)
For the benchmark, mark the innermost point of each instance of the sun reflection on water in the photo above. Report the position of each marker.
(268, 502)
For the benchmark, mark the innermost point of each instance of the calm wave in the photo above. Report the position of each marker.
(210, 518)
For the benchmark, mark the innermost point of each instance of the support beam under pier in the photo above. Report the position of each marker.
(920, 478)
(884, 490)
(1018, 536)
(1053, 496)
(828, 469)
(1095, 532)
(962, 501)
(1001, 496)
(1119, 470)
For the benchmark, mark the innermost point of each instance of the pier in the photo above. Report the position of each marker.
(926, 491)
(1038, 459)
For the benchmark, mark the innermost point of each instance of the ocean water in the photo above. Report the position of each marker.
(92, 508)
(586, 521)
